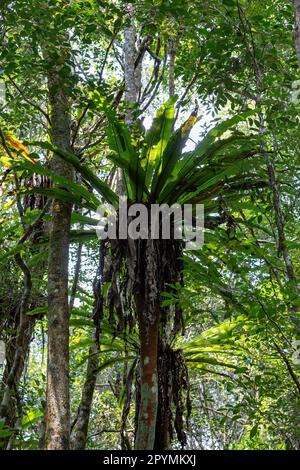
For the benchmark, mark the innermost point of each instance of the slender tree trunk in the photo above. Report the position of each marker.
(21, 325)
(173, 46)
(172, 56)
(16, 354)
(132, 74)
(58, 401)
(297, 28)
(276, 196)
(80, 429)
(281, 242)
(21, 348)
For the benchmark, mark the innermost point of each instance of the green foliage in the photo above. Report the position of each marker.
(237, 61)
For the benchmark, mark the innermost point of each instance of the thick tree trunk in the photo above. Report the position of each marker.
(148, 311)
(145, 436)
(163, 373)
(58, 402)
(146, 299)
(151, 267)
(148, 332)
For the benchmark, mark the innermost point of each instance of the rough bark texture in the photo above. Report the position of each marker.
(146, 299)
(132, 74)
(147, 304)
(174, 399)
(16, 354)
(172, 372)
(173, 46)
(80, 429)
(172, 56)
(140, 271)
(57, 408)
(151, 265)
(163, 374)
(19, 325)
(297, 28)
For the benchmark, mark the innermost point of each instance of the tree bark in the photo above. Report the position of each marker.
(146, 298)
(20, 349)
(297, 28)
(163, 374)
(58, 401)
(147, 305)
(21, 326)
(80, 430)
(16, 355)
(132, 74)
(145, 436)
(173, 46)
(172, 56)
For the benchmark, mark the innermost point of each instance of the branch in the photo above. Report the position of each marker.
(32, 226)
(89, 103)
(289, 367)
(184, 95)
(34, 105)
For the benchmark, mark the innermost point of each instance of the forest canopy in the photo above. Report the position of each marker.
(141, 340)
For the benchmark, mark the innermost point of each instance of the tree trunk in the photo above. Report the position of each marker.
(147, 305)
(281, 242)
(80, 429)
(163, 374)
(21, 325)
(162, 370)
(16, 355)
(148, 331)
(58, 401)
(297, 28)
(172, 56)
(132, 74)
(23, 338)
(146, 299)
(164, 416)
